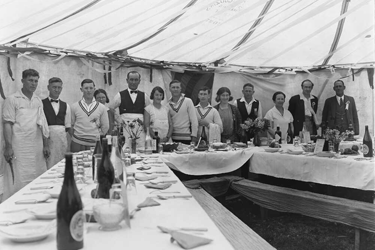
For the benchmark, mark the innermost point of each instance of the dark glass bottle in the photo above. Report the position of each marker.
(97, 150)
(121, 138)
(106, 173)
(278, 132)
(156, 141)
(204, 136)
(70, 216)
(289, 135)
(367, 144)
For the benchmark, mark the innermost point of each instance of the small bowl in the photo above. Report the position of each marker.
(169, 147)
(109, 215)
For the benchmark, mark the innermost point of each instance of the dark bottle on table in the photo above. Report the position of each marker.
(70, 216)
(106, 173)
(367, 144)
(155, 143)
(204, 136)
(289, 135)
(278, 132)
(121, 138)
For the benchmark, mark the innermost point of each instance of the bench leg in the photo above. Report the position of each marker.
(360, 242)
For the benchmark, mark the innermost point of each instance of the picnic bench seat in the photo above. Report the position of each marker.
(237, 233)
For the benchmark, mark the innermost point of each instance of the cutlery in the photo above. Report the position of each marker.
(41, 187)
(158, 182)
(156, 172)
(132, 213)
(165, 197)
(168, 230)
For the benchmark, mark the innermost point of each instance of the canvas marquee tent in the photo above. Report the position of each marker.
(275, 44)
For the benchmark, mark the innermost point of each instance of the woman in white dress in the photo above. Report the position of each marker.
(278, 115)
(157, 116)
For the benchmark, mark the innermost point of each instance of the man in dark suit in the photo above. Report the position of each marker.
(59, 121)
(303, 108)
(340, 111)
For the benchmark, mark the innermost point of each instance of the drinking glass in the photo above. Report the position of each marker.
(192, 146)
(228, 144)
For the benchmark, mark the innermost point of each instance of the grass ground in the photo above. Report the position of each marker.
(287, 231)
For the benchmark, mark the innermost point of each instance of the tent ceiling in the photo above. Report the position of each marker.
(274, 33)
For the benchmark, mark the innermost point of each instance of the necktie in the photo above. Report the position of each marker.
(133, 92)
(341, 102)
(52, 100)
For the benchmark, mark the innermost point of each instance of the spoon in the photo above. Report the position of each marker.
(132, 213)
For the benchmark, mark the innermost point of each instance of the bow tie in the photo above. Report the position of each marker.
(52, 100)
(134, 92)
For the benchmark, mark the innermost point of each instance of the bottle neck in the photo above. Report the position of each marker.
(69, 173)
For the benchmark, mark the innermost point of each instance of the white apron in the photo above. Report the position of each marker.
(58, 144)
(141, 141)
(27, 144)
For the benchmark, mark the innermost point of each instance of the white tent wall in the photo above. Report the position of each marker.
(72, 71)
(267, 84)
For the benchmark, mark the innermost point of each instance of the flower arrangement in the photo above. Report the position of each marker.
(255, 126)
(335, 136)
(133, 128)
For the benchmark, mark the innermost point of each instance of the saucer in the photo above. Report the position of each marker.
(28, 232)
(271, 150)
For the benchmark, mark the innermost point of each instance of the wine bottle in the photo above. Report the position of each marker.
(121, 138)
(367, 144)
(97, 150)
(278, 132)
(289, 135)
(106, 173)
(116, 159)
(204, 136)
(155, 143)
(70, 216)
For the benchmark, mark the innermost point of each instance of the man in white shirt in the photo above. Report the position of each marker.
(131, 103)
(303, 108)
(249, 107)
(208, 117)
(59, 119)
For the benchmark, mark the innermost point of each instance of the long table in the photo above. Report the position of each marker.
(350, 171)
(144, 234)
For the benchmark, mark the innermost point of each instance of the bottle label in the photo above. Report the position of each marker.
(76, 225)
(365, 149)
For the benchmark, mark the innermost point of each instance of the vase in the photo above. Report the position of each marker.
(336, 146)
(133, 145)
(256, 140)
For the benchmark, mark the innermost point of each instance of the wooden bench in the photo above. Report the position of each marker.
(360, 215)
(237, 233)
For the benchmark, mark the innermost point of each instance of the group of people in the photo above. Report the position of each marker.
(37, 132)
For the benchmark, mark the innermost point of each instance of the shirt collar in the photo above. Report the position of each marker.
(302, 96)
(93, 101)
(182, 96)
(22, 95)
(49, 98)
(132, 90)
(243, 100)
(208, 106)
(338, 98)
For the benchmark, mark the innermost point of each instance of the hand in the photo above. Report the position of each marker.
(203, 122)
(46, 152)
(8, 154)
(165, 139)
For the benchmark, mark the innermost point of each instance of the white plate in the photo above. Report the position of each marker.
(295, 152)
(28, 232)
(271, 150)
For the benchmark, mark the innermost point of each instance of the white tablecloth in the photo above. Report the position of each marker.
(144, 234)
(344, 172)
(208, 163)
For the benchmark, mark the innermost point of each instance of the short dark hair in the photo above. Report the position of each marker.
(87, 81)
(248, 85)
(174, 81)
(133, 72)
(158, 89)
(54, 79)
(29, 72)
(306, 80)
(102, 91)
(277, 93)
(205, 88)
(221, 91)
(343, 84)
